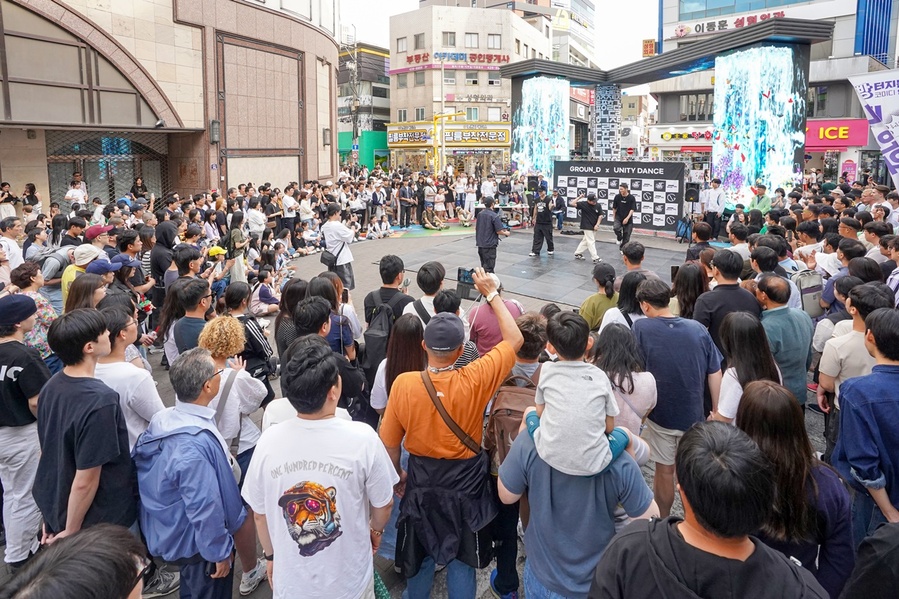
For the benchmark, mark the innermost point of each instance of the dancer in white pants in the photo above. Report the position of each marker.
(22, 375)
(591, 215)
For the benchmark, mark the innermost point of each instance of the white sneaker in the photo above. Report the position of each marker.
(163, 583)
(550, 253)
(263, 322)
(532, 254)
(251, 580)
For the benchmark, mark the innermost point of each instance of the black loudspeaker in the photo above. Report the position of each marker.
(532, 183)
(691, 194)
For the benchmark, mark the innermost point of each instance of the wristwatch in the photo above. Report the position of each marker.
(491, 295)
(268, 556)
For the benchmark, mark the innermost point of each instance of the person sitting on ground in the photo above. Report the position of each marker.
(527, 359)
(594, 307)
(431, 220)
(627, 311)
(264, 300)
(571, 398)
(702, 232)
(465, 216)
(727, 489)
(430, 278)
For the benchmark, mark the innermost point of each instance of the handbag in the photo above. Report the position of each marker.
(329, 259)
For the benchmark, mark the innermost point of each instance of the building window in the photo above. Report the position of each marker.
(493, 78)
(419, 78)
(471, 40)
(449, 77)
(401, 116)
(533, 52)
(518, 47)
(494, 114)
(632, 105)
(471, 114)
(400, 44)
(419, 114)
(402, 80)
(494, 41)
(525, 53)
(697, 107)
(419, 41)
(471, 77)
(449, 39)
(380, 92)
(817, 101)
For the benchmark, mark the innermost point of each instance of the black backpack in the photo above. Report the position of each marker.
(377, 335)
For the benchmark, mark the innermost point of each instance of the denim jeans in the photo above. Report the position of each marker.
(866, 517)
(534, 589)
(461, 582)
(560, 219)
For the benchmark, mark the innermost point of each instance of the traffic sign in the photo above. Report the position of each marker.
(355, 146)
(355, 154)
(630, 151)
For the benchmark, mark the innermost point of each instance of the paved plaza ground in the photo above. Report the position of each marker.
(532, 281)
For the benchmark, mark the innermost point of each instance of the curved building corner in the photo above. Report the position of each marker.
(190, 95)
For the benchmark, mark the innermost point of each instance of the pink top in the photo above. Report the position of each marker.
(485, 328)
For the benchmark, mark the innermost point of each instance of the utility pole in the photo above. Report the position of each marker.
(352, 66)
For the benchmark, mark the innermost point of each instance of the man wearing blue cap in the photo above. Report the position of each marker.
(22, 375)
(438, 414)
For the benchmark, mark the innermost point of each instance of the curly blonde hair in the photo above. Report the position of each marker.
(223, 337)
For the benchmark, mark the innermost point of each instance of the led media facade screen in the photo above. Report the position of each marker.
(540, 125)
(760, 112)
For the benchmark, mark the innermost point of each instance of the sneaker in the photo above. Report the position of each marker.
(550, 253)
(163, 583)
(813, 387)
(155, 350)
(250, 580)
(512, 595)
(578, 256)
(532, 254)
(597, 260)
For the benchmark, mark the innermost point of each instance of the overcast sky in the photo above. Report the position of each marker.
(619, 37)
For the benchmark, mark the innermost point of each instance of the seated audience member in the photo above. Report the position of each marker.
(727, 489)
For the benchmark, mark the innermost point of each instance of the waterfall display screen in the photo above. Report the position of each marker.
(540, 126)
(760, 113)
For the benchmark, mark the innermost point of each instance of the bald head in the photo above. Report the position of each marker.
(776, 288)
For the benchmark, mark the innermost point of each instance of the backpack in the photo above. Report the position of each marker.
(377, 335)
(509, 405)
(811, 286)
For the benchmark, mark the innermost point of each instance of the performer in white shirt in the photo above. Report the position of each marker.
(712, 205)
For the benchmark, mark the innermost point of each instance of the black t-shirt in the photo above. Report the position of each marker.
(80, 426)
(69, 240)
(590, 214)
(623, 206)
(22, 376)
(544, 208)
(712, 306)
(648, 565)
(385, 295)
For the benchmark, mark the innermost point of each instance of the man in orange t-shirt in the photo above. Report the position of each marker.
(447, 503)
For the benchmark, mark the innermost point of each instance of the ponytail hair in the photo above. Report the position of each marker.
(604, 275)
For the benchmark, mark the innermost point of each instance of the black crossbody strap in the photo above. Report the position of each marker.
(466, 439)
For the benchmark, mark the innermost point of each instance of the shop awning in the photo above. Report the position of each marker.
(696, 148)
(824, 149)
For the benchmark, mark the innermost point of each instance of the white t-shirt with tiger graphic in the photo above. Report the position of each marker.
(314, 481)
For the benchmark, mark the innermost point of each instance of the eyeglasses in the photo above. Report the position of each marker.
(146, 565)
(215, 374)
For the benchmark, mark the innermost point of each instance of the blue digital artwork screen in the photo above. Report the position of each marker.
(540, 126)
(760, 113)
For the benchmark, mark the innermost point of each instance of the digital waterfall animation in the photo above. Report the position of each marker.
(760, 96)
(540, 126)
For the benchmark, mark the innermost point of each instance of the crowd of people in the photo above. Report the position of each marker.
(433, 435)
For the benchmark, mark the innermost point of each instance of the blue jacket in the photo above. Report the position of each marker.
(189, 501)
(867, 452)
